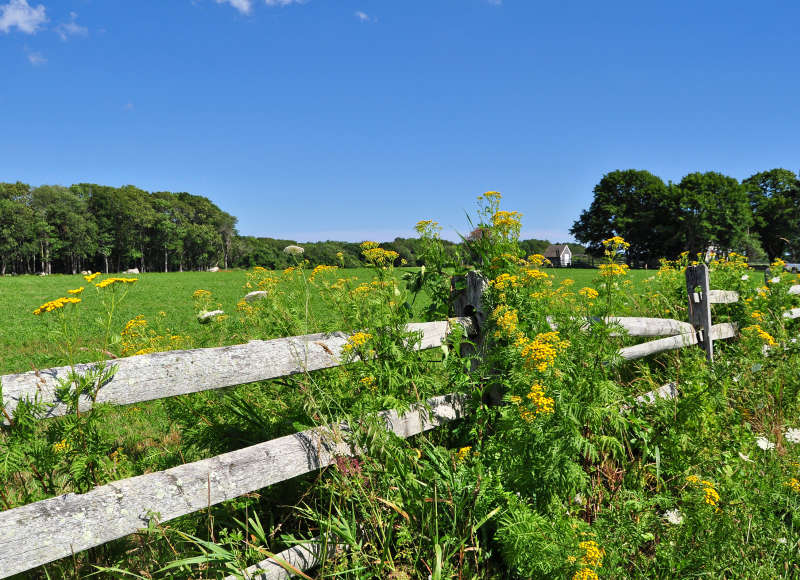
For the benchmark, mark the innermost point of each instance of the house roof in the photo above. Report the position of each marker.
(555, 250)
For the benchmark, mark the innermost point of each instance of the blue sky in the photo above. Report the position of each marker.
(339, 119)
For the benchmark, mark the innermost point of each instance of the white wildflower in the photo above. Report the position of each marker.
(775, 280)
(793, 435)
(744, 457)
(782, 540)
(293, 250)
(673, 516)
(745, 277)
(764, 444)
(578, 499)
(255, 295)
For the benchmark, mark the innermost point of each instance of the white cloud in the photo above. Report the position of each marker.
(36, 58)
(18, 13)
(283, 2)
(364, 17)
(71, 28)
(243, 6)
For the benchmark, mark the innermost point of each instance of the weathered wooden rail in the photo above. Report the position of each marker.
(51, 529)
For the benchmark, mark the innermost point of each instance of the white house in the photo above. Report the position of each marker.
(559, 255)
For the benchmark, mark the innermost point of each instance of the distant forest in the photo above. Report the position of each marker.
(56, 229)
(758, 217)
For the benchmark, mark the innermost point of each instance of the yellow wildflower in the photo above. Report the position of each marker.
(589, 293)
(110, 281)
(585, 574)
(357, 340)
(794, 484)
(55, 305)
(62, 446)
(463, 453)
(616, 242)
(321, 269)
(91, 277)
(200, 293)
(75, 291)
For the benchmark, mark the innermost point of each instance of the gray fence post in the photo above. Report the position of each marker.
(700, 307)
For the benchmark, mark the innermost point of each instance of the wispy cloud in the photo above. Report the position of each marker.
(36, 58)
(364, 17)
(243, 6)
(71, 27)
(20, 14)
(283, 2)
(128, 106)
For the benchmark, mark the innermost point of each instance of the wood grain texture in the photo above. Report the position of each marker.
(47, 530)
(303, 557)
(639, 326)
(178, 372)
(700, 307)
(718, 332)
(723, 296)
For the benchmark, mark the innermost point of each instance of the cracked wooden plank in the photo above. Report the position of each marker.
(718, 332)
(47, 530)
(179, 372)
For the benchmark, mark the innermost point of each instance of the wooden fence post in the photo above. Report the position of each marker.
(467, 300)
(700, 307)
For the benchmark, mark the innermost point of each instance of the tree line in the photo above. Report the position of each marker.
(758, 217)
(57, 229)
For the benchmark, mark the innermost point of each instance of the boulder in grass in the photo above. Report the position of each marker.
(205, 316)
(132, 271)
(214, 269)
(85, 272)
(255, 295)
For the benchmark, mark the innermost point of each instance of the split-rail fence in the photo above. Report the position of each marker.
(50, 529)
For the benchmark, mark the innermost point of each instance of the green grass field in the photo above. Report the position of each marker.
(27, 341)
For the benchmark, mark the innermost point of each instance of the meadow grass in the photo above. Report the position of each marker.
(26, 341)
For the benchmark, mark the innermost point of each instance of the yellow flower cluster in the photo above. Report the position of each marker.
(364, 288)
(507, 321)
(540, 403)
(200, 293)
(91, 277)
(463, 453)
(505, 281)
(357, 340)
(75, 290)
(585, 574)
(616, 242)
(491, 196)
(533, 274)
(62, 446)
(732, 261)
(757, 315)
(541, 352)
(762, 334)
(110, 281)
(537, 260)
(588, 293)
(592, 558)
(133, 323)
(368, 381)
(593, 554)
(321, 269)
(55, 305)
(778, 263)
(710, 494)
(794, 484)
(611, 270)
(507, 220)
(567, 282)
(379, 256)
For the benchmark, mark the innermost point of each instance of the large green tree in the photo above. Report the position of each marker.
(774, 198)
(714, 211)
(632, 204)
